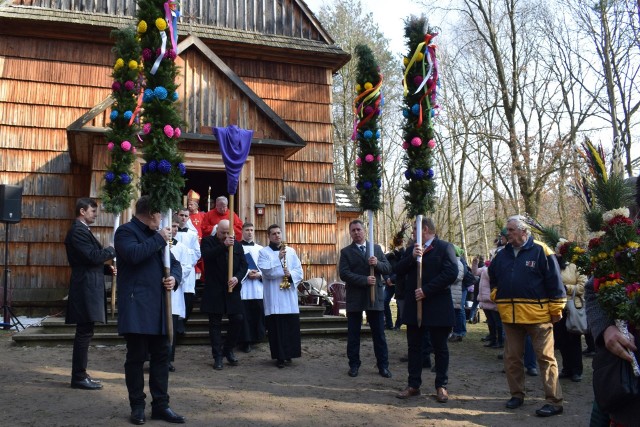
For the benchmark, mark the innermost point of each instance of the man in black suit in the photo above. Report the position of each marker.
(86, 302)
(355, 271)
(439, 271)
(221, 294)
(142, 288)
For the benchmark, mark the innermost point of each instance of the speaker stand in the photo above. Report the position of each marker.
(9, 318)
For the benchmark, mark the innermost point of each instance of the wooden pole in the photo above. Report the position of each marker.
(166, 221)
(372, 289)
(233, 232)
(116, 223)
(419, 266)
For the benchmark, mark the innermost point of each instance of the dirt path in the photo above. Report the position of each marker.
(314, 391)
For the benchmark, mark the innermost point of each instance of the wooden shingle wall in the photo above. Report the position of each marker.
(44, 86)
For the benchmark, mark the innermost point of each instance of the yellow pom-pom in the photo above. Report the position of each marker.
(161, 24)
(367, 86)
(405, 61)
(133, 65)
(119, 64)
(419, 56)
(142, 27)
(358, 88)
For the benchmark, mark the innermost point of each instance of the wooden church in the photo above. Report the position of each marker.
(264, 65)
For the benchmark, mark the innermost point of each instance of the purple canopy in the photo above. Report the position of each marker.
(234, 144)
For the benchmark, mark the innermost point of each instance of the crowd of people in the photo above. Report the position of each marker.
(522, 290)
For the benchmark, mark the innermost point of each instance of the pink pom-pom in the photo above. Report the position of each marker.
(177, 132)
(358, 161)
(168, 130)
(368, 110)
(431, 144)
(417, 80)
(147, 54)
(146, 129)
(110, 146)
(405, 145)
(416, 141)
(125, 145)
(115, 86)
(378, 158)
(368, 158)
(129, 85)
(133, 150)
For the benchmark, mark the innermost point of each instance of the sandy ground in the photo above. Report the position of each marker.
(314, 390)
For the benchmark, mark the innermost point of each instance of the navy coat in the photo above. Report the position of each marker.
(141, 293)
(216, 297)
(439, 271)
(354, 271)
(86, 302)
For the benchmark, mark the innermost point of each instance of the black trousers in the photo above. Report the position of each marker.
(138, 347)
(188, 305)
(215, 333)
(570, 346)
(80, 358)
(438, 335)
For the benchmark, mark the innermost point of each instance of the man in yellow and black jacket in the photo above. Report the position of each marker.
(527, 288)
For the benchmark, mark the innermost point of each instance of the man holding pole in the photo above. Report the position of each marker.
(360, 273)
(439, 269)
(221, 293)
(142, 317)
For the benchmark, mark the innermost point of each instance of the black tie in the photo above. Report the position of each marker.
(362, 249)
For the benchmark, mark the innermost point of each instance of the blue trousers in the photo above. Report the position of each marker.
(461, 316)
(376, 323)
(389, 291)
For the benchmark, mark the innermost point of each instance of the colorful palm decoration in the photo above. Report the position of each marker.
(420, 83)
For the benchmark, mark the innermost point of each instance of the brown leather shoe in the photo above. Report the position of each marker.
(441, 395)
(408, 392)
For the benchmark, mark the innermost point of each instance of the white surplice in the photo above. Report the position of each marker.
(276, 300)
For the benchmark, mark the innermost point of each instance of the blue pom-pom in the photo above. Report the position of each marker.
(430, 173)
(109, 176)
(407, 174)
(433, 112)
(148, 95)
(378, 134)
(144, 168)
(127, 115)
(379, 183)
(405, 113)
(358, 185)
(367, 185)
(164, 167)
(174, 96)
(124, 178)
(415, 109)
(153, 165)
(419, 174)
(114, 115)
(160, 92)
(368, 134)
(182, 168)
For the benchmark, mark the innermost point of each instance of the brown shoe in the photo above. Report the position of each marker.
(408, 392)
(441, 395)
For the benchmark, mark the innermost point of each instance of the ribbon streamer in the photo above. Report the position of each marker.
(358, 108)
(172, 19)
(163, 49)
(138, 107)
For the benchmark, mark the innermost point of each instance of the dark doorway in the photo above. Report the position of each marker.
(200, 181)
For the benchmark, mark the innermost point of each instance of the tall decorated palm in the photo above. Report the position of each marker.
(367, 108)
(163, 173)
(118, 188)
(420, 83)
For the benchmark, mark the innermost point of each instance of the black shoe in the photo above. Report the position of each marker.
(287, 361)
(167, 414)
(280, 363)
(171, 367)
(231, 358)
(576, 378)
(549, 410)
(94, 381)
(487, 338)
(514, 402)
(86, 384)
(491, 344)
(217, 364)
(404, 359)
(137, 416)
(385, 373)
(353, 371)
(532, 372)
(246, 348)
(564, 374)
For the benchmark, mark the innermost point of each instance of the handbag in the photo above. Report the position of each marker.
(576, 317)
(614, 385)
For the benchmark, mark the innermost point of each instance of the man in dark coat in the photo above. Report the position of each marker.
(142, 287)
(221, 294)
(355, 271)
(86, 302)
(439, 271)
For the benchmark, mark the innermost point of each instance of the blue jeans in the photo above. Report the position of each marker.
(461, 316)
(389, 291)
(376, 323)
